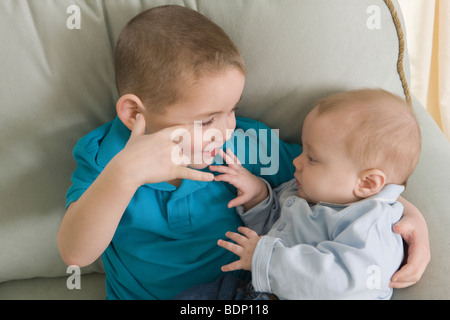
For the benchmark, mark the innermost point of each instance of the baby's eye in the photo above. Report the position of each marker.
(311, 159)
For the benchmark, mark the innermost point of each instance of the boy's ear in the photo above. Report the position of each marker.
(127, 107)
(370, 182)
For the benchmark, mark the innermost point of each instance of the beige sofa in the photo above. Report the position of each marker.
(57, 84)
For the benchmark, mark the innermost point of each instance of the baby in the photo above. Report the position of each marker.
(329, 230)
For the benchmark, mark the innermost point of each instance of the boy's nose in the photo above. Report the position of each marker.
(228, 133)
(229, 129)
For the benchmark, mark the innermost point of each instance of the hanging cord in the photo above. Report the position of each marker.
(401, 49)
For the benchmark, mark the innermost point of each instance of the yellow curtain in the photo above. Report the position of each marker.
(428, 37)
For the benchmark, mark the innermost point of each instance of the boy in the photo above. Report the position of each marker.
(330, 228)
(131, 200)
(154, 220)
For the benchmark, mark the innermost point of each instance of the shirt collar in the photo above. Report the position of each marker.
(113, 142)
(388, 194)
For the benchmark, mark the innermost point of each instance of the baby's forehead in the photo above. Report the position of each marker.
(332, 115)
(329, 126)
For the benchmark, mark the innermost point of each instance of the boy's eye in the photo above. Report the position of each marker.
(207, 123)
(311, 159)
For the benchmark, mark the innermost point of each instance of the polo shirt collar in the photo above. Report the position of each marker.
(113, 142)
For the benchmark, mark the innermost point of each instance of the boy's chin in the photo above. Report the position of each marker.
(204, 163)
(200, 166)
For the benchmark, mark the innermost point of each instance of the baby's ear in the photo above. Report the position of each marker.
(370, 182)
(127, 107)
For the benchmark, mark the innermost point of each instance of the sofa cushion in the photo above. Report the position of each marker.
(56, 65)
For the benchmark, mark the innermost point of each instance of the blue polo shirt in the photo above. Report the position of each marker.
(167, 238)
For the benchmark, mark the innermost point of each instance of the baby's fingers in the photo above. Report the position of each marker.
(222, 169)
(236, 249)
(230, 246)
(229, 157)
(239, 200)
(237, 265)
(247, 232)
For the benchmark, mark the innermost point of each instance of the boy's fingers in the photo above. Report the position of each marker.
(400, 285)
(192, 174)
(176, 133)
(411, 272)
(138, 127)
(403, 278)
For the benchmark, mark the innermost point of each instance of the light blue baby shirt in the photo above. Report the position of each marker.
(326, 251)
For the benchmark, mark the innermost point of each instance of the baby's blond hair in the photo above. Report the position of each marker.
(382, 131)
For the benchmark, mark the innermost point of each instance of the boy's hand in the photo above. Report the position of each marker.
(413, 229)
(148, 158)
(251, 189)
(244, 247)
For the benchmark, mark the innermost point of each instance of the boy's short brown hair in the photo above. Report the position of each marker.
(165, 50)
(382, 131)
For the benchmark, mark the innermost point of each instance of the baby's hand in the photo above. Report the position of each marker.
(251, 189)
(244, 247)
